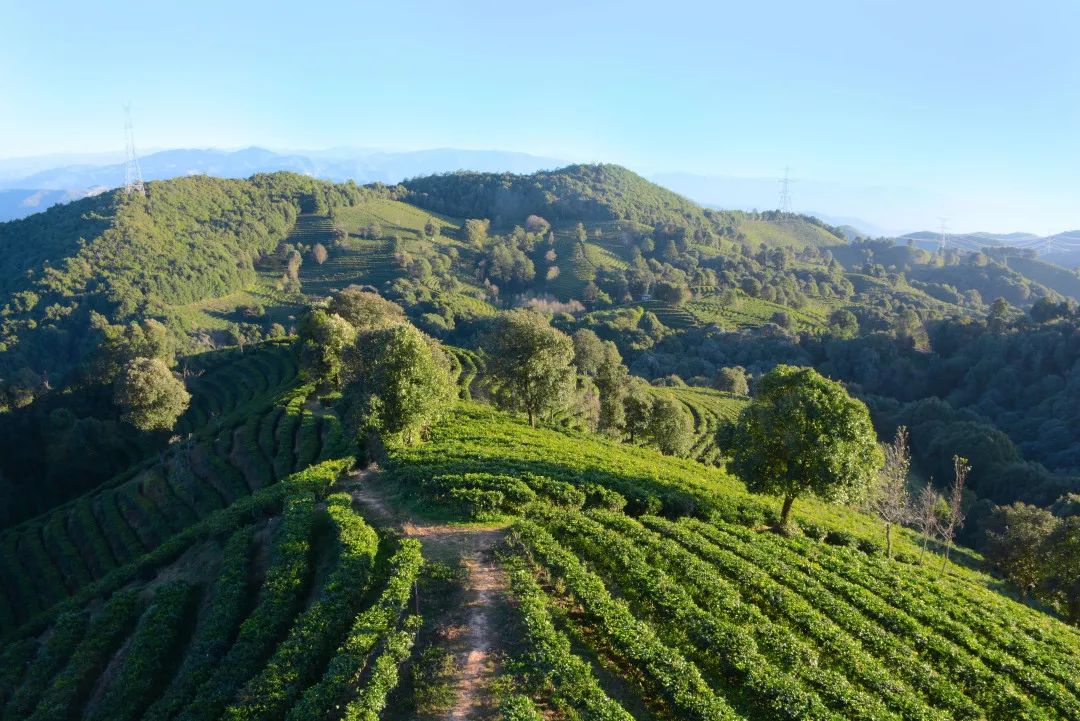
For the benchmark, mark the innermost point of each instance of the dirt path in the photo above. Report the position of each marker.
(477, 647)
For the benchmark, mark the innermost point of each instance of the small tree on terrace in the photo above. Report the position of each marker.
(803, 433)
(319, 254)
(890, 499)
(927, 515)
(954, 517)
(533, 361)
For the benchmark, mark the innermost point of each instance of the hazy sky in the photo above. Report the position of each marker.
(969, 110)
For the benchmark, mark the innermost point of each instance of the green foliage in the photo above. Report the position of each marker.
(314, 632)
(575, 193)
(803, 433)
(368, 628)
(669, 427)
(1015, 543)
(400, 379)
(53, 652)
(69, 689)
(149, 655)
(219, 622)
(533, 362)
(149, 395)
(667, 671)
(384, 676)
(732, 380)
(549, 662)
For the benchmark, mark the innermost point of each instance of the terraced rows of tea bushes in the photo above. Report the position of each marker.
(286, 604)
(224, 382)
(708, 408)
(747, 312)
(710, 620)
(54, 556)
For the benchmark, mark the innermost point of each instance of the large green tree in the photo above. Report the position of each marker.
(150, 397)
(1061, 564)
(803, 434)
(402, 381)
(670, 426)
(532, 361)
(1015, 538)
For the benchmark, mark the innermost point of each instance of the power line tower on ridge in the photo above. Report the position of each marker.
(133, 181)
(943, 238)
(785, 191)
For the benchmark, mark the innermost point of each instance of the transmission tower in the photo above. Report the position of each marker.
(785, 191)
(943, 237)
(133, 182)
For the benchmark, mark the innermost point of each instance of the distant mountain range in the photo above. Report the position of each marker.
(1061, 248)
(30, 185)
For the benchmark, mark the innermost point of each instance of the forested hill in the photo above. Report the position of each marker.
(128, 257)
(575, 193)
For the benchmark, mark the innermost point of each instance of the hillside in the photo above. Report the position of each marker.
(605, 579)
(576, 193)
(276, 551)
(127, 257)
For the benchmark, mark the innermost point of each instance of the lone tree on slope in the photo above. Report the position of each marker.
(149, 395)
(533, 361)
(802, 434)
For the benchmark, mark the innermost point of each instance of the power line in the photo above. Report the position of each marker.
(943, 238)
(133, 181)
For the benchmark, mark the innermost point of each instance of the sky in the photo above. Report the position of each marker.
(909, 110)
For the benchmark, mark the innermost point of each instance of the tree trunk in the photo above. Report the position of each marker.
(532, 421)
(945, 558)
(785, 512)
(922, 551)
(888, 540)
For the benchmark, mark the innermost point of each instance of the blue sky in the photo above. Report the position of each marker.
(969, 110)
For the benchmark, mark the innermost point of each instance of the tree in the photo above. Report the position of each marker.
(675, 294)
(1015, 542)
(612, 380)
(954, 516)
(430, 228)
(121, 344)
(536, 224)
(732, 379)
(927, 514)
(890, 499)
(803, 433)
(319, 254)
(997, 319)
(588, 351)
(579, 233)
(670, 426)
(843, 323)
(637, 408)
(533, 361)
(365, 310)
(326, 337)
(1061, 566)
(402, 380)
(150, 397)
(476, 230)
(292, 266)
